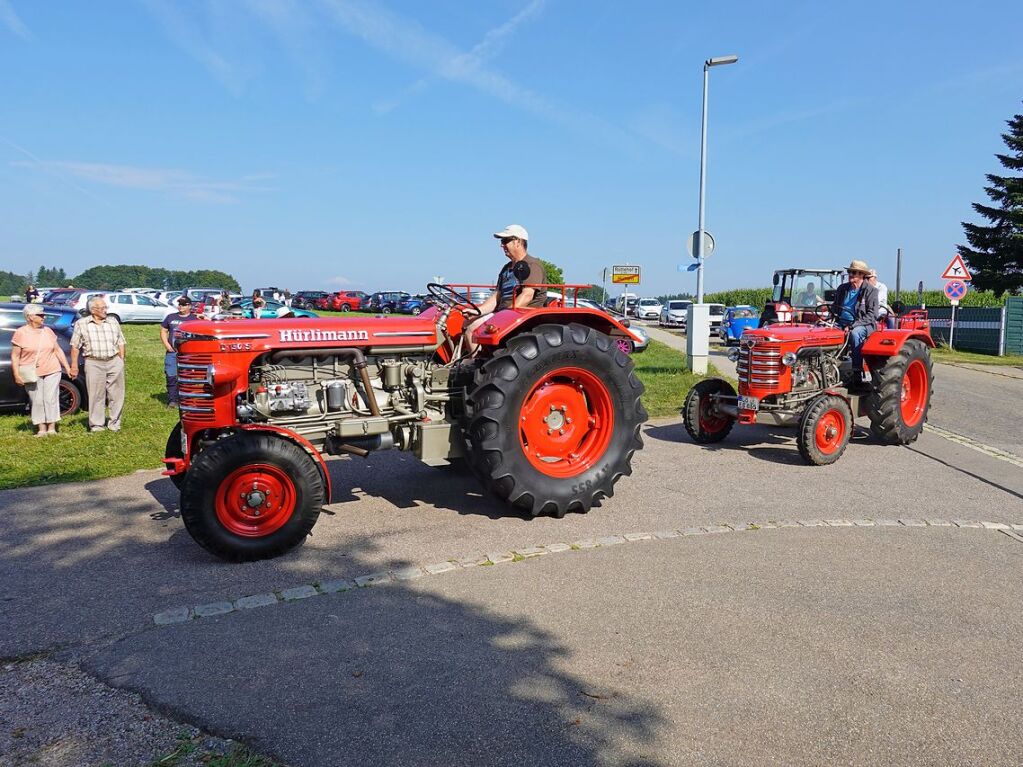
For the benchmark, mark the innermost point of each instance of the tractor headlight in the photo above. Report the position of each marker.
(788, 359)
(733, 354)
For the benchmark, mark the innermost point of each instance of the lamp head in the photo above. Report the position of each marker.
(720, 60)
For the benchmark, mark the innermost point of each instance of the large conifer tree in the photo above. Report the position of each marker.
(995, 257)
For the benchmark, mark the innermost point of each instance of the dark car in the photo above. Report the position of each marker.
(415, 304)
(13, 397)
(60, 296)
(306, 299)
(387, 301)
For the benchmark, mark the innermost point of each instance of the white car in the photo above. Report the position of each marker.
(647, 309)
(136, 307)
(674, 314)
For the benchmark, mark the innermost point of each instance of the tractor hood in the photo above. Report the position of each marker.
(815, 335)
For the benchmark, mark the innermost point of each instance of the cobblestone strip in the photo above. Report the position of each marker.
(980, 447)
(412, 572)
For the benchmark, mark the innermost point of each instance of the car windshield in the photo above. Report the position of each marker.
(743, 314)
(648, 302)
(678, 304)
(716, 310)
(807, 290)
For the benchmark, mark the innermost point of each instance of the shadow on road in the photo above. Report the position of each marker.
(395, 675)
(755, 441)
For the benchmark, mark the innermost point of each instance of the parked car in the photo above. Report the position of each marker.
(306, 299)
(717, 314)
(415, 304)
(341, 301)
(736, 320)
(269, 311)
(647, 309)
(135, 307)
(674, 314)
(387, 301)
(13, 398)
(58, 296)
(198, 294)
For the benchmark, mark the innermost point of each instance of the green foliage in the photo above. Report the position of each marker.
(676, 297)
(12, 284)
(751, 296)
(996, 255)
(552, 274)
(135, 276)
(937, 298)
(52, 277)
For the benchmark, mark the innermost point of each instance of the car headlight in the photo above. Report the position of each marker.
(733, 354)
(788, 359)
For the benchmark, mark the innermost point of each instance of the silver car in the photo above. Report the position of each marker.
(136, 307)
(674, 314)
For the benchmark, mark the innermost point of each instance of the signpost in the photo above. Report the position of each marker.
(957, 275)
(625, 275)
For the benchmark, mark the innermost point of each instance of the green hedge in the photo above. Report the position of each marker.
(759, 296)
(750, 296)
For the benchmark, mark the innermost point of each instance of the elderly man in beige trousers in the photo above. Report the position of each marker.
(100, 340)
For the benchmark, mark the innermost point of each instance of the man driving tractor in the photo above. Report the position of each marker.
(855, 309)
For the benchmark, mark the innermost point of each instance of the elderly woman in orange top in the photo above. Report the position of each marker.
(36, 359)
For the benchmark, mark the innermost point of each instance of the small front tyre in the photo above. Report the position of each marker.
(824, 430)
(703, 422)
(251, 496)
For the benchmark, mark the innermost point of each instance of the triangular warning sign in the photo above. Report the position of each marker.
(957, 270)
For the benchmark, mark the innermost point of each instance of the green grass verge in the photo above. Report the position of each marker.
(944, 354)
(76, 454)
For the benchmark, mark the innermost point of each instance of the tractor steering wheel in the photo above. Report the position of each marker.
(825, 313)
(450, 297)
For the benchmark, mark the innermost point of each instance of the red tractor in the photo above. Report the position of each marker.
(546, 414)
(792, 371)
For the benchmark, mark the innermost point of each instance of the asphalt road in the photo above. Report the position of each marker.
(797, 645)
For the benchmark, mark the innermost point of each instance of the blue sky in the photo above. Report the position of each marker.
(374, 144)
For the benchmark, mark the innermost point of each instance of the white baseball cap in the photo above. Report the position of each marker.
(513, 230)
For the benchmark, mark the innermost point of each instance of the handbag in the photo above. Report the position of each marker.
(28, 372)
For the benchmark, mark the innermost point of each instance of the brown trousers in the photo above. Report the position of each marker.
(104, 380)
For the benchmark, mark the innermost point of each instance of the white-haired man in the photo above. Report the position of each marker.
(100, 340)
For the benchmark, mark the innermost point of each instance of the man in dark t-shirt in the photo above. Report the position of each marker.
(168, 334)
(511, 292)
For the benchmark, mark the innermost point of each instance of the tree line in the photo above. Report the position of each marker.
(118, 276)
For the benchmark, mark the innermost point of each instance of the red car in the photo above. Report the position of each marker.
(342, 301)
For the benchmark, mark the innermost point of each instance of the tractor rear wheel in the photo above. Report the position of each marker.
(553, 420)
(901, 394)
(702, 423)
(251, 496)
(824, 430)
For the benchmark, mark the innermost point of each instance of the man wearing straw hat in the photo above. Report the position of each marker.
(855, 308)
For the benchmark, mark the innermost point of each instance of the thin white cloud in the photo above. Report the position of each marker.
(405, 40)
(178, 183)
(9, 19)
(297, 30)
(339, 281)
(188, 36)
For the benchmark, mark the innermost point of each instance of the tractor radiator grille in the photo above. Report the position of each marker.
(759, 367)
(195, 387)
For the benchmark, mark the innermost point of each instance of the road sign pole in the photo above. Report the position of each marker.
(898, 275)
(703, 187)
(951, 326)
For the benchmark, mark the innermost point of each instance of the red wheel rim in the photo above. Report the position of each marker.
(829, 432)
(914, 393)
(255, 500)
(710, 422)
(566, 422)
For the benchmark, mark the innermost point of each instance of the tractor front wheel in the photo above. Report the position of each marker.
(824, 430)
(251, 496)
(700, 416)
(901, 394)
(173, 450)
(553, 419)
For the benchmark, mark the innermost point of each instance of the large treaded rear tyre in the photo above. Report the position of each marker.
(901, 395)
(702, 424)
(824, 430)
(251, 496)
(553, 420)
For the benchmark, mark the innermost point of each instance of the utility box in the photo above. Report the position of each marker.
(698, 337)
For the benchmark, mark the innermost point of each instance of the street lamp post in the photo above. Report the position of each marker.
(714, 62)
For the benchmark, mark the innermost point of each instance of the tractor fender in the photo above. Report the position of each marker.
(886, 343)
(510, 322)
(301, 442)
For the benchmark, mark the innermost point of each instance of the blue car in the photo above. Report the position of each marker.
(415, 305)
(736, 320)
(269, 311)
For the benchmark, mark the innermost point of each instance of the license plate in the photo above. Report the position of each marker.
(749, 403)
